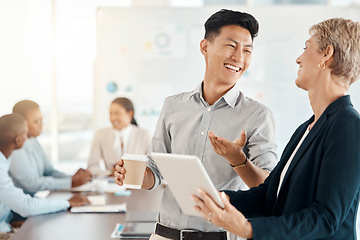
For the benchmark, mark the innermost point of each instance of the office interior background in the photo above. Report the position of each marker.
(73, 57)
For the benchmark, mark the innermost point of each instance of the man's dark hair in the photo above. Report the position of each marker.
(226, 17)
(10, 126)
(25, 106)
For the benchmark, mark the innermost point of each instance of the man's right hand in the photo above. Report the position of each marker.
(120, 171)
(78, 200)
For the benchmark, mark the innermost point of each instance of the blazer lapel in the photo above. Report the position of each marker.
(290, 147)
(306, 143)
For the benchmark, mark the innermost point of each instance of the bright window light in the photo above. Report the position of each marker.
(187, 3)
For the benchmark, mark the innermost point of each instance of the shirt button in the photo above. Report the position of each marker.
(202, 133)
(209, 109)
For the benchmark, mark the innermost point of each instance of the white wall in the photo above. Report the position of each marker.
(26, 51)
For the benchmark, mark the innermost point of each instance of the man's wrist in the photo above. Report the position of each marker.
(149, 179)
(239, 165)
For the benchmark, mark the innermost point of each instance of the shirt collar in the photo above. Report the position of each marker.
(3, 160)
(2, 156)
(197, 92)
(230, 96)
(335, 105)
(123, 132)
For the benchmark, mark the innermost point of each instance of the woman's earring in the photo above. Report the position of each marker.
(321, 66)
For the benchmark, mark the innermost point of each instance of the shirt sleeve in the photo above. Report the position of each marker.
(25, 173)
(24, 204)
(49, 169)
(161, 142)
(261, 146)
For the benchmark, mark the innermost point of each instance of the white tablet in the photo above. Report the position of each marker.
(184, 175)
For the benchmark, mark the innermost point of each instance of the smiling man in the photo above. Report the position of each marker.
(216, 105)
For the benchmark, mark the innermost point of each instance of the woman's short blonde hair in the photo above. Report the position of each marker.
(344, 36)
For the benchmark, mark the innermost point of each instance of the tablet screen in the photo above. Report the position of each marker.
(138, 228)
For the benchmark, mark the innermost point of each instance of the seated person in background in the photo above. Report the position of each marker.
(30, 169)
(124, 136)
(13, 134)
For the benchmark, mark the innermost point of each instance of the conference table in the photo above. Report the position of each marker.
(89, 226)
